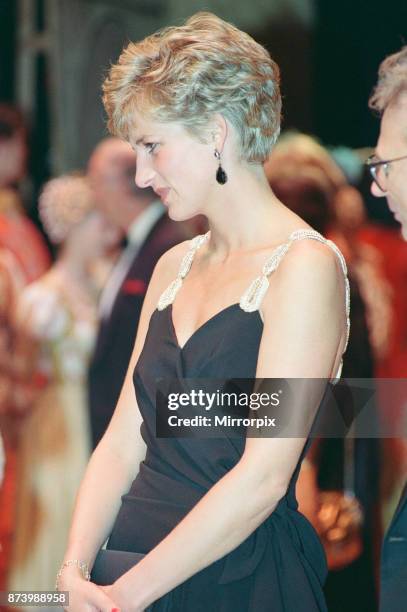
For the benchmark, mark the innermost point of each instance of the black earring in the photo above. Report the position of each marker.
(221, 175)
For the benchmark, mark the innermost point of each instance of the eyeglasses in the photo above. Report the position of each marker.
(379, 170)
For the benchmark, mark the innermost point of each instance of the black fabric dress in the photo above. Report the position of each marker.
(281, 566)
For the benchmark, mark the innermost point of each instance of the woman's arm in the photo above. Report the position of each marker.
(115, 461)
(304, 329)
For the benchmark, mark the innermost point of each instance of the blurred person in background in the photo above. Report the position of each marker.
(24, 257)
(140, 216)
(59, 314)
(388, 168)
(13, 402)
(17, 232)
(304, 176)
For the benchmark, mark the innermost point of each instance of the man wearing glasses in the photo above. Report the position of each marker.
(388, 168)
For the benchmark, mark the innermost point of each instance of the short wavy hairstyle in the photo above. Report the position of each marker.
(189, 73)
(392, 82)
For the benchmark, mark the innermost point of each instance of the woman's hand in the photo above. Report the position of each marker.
(84, 596)
(115, 592)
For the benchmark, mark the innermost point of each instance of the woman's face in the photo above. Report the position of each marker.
(179, 168)
(13, 154)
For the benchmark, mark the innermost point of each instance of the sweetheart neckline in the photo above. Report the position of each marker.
(204, 324)
(213, 318)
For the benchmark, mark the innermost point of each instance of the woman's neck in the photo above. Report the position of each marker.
(249, 216)
(76, 267)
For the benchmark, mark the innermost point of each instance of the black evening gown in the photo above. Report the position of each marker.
(281, 567)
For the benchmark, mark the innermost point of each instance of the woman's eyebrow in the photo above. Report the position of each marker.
(142, 139)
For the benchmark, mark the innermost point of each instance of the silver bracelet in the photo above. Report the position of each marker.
(81, 565)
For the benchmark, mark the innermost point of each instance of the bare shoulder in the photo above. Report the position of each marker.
(309, 278)
(310, 261)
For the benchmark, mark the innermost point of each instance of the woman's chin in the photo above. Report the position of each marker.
(179, 215)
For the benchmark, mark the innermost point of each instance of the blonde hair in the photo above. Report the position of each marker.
(392, 81)
(64, 202)
(191, 72)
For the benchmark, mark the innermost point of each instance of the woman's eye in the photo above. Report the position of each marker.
(150, 146)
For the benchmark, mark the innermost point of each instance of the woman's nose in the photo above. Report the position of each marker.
(144, 174)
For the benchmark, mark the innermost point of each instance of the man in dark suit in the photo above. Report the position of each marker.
(150, 233)
(389, 172)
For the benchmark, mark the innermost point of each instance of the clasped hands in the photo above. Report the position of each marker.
(87, 596)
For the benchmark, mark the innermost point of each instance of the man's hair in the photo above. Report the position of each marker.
(189, 73)
(392, 82)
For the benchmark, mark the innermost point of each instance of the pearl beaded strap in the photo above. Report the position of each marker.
(253, 296)
(168, 296)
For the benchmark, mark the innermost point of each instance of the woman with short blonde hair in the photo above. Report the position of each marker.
(189, 73)
(200, 521)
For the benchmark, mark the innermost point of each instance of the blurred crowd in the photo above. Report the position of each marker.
(71, 291)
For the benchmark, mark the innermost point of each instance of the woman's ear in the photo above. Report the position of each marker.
(219, 131)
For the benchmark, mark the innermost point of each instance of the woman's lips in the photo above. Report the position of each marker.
(163, 193)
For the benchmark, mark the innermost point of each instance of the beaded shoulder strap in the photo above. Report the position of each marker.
(253, 296)
(168, 296)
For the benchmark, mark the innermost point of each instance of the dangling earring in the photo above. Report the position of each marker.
(221, 175)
